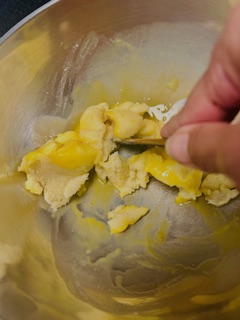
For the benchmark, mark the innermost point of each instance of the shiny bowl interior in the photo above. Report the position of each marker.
(179, 262)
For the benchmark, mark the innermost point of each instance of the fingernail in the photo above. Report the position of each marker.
(177, 148)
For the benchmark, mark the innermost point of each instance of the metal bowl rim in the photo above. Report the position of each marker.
(27, 19)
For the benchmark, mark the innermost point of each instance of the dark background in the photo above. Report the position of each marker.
(12, 11)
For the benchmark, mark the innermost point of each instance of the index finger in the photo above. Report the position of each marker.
(216, 97)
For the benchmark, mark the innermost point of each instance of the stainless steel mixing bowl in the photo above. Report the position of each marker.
(178, 262)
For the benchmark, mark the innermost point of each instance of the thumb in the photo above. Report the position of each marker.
(211, 147)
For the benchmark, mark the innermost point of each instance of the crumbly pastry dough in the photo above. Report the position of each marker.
(60, 168)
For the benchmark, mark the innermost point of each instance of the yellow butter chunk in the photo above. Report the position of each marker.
(32, 157)
(75, 155)
(65, 137)
(66, 150)
(124, 216)
(168, 171)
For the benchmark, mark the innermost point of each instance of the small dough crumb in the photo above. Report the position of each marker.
(218, 189)
(124, 216)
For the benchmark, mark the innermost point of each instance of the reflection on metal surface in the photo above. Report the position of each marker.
(183, 263)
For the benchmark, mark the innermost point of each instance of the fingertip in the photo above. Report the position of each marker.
(177, 148)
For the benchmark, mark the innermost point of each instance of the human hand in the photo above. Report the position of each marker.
(201, 135)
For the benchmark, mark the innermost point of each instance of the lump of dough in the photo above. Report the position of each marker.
(126, 123)
(92, 125)
(124, 216)
(126, 175)
(150, 129)
(139, 108)
(59, 190)
(128, 119)
(94, 130)
(218, 189)
(59, 168)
